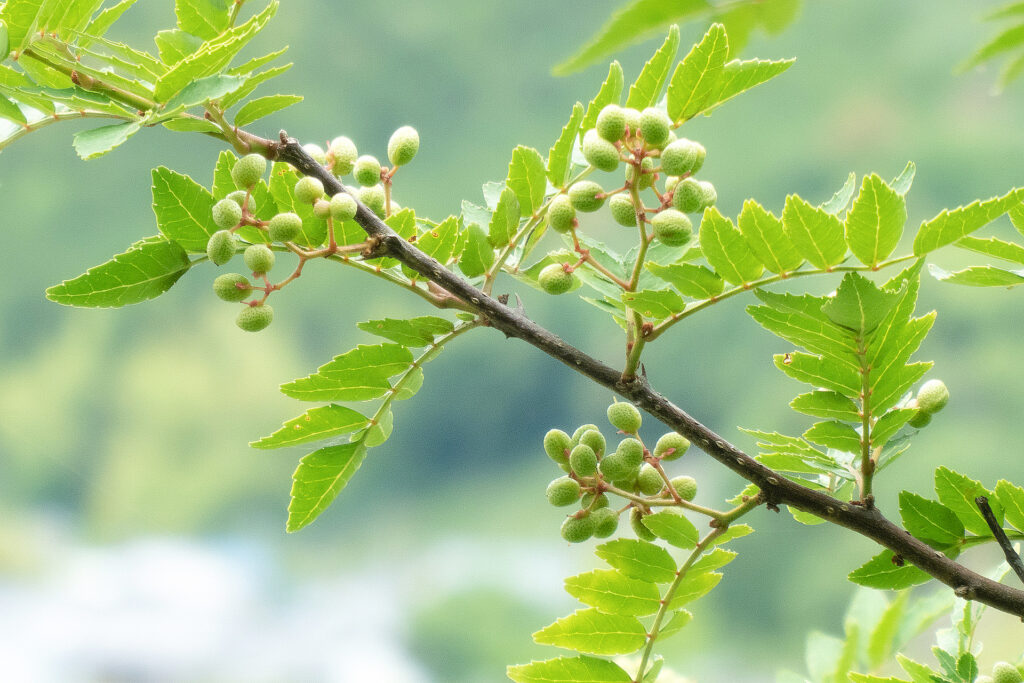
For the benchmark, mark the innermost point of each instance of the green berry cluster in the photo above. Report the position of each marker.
(931, 398)
(593, 472)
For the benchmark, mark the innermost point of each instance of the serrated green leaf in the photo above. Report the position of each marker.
(958, 492)
(930, 520)
(816, 234)
(148, 269)
(20, 18)
(319, 479)
(96, 142)
(646, 90)
(315, 424)
(826, 404)
(901, 183)
(881, 572)
(638, 559)
(190, 125)
(11, 111)
(694, 587)
(766, 238)
(889, 385)
(692, 280)
(1008, 39)
(256, 109)
(842, 196)
(950, 226)
(870, 678)
(739, 76)
(593, 632)
(859, 304)
(919, 673)
(504, 221)
(673, 526)
(992, 246)
(726, 250)
(560, 154)
(609, 93)
(889, 424)
(357, 375)
(613, 592)
(105, 19)
(732, 533)
(478, 254)
(978, 276)
(183, 209)
(174, 45)
(439, 243)
(580, 669)
(697, 77)
(414, 332)
(820, 372)
(809, 329)
(527, 177)
(832, 434)
(203, 18)
(656, 304)
(675, 624)
(1016, 215)
(716, 559)
(1011, 499)
(252, 81)
(874, 224)
(203, 90)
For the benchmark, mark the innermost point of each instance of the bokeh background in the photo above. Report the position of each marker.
(141, 539)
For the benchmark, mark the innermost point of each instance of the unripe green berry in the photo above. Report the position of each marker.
(563, 491)
(632, 451)
(284, 227)
(308, 190)
(561, 213)
(403, 145)
(686, 487)
(671, 446)
(649, 480)
(595, 440)
(321, 208)
(255, 318)
(633, 117)
(655, 126)
(646, 173)
(554, 280)
(606, 521)
(627, 483)
(343, 152)
(248, 171)
(366, 170)
(624, 417)
(593, 501)
(586, 196)
(343, 207)
(920, 420)
(231, 286)
(583, 460)
(689, 196)
(932, 396)
(601, 154)
(623, 211)
(316, 151)
(238, 197)
(374, 198)
(615, 468)
(680, 157)
(672, 228)
(220, 247)
(1004, 672)
(709, 195)
(226, 213)
(557, 445)
(636, 520)
(258, 258)
(578, 529)
(611, 123)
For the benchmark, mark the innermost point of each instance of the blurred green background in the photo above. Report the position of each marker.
(141, 539)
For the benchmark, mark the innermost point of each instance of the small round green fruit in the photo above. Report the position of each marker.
(649, 480)
(632, 451)
(671, 446)
(316, 151)
(633, 117)
(595, 440)
(593, 501)
(655, 126)
(672, 228)
(403, 145)
(238, 197)
(685, 486)
(614, 467)
(308, 190)
(601, 154)
(232, 287)
(606, 521)
(581, 430)
(557, 445)
(563, 491)
(248, 170)
(561, 214)
(583, 460)
(611, 123)
(343, 151)
(554, 280)
(636, 520)
(625, 417)
(343, 207)
(578, 529)
(1004, 672)
(623, 211)
(259, 258)
(221, 247)
(680, 157)
(321, 208)
(227, 214)
(932, 396)
(366, 170)
(586, 196)
(688, 196)
(284, 227)
(255, 318)
(920, 420)
(374, 198)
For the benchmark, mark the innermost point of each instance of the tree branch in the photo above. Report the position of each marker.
(776, 489)
(1012, 558)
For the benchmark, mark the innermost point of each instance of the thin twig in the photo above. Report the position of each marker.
(1014, 560)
